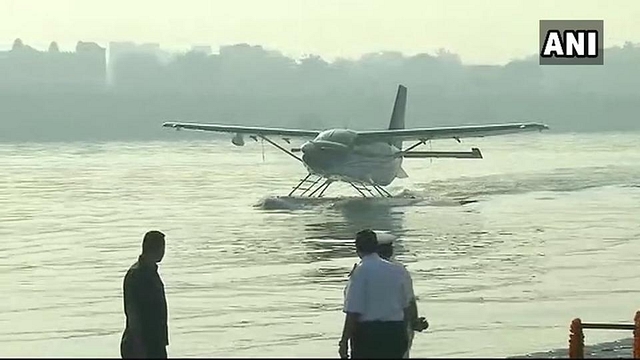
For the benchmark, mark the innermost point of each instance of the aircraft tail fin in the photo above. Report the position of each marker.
(397, 116)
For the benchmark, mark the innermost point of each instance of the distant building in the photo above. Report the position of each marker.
(203, 49)
(24, 67)
(242, 51)
(119, 49)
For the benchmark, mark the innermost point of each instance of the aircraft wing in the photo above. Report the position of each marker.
(249, 130)
(455, 132)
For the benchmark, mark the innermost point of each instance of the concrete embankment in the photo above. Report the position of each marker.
(619, 349)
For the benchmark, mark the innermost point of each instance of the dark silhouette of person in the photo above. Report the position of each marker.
(146, 333)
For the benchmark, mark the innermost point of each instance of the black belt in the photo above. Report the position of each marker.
(380, 322)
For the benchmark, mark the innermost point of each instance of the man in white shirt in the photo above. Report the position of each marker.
(413, 322)
(377, 302)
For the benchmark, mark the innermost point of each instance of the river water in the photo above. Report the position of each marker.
(549, 235)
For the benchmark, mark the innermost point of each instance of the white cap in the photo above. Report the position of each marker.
(384, 237)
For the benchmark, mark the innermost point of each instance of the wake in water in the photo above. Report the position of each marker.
(466, 190)
(404, 198)
(558, 180)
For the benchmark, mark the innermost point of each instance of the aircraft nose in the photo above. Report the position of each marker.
(311, 156)
(306, 147)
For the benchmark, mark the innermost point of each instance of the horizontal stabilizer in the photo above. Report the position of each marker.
(473, 154)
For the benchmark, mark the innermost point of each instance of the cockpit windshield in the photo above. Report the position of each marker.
(341, 136)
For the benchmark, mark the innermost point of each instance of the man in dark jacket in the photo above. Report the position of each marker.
(145, 303)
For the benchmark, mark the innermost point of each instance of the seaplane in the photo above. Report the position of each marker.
(366, 160)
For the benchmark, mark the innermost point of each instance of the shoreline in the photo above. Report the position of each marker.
(618, 349)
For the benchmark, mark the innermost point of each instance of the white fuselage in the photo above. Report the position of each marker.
(335, 155)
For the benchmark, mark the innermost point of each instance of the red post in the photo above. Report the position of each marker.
(636, 336)
(576, 340)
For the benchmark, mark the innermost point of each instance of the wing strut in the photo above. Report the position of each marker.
(280, 147)
(421, 142)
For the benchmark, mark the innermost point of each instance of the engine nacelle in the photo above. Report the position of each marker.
(238, 140)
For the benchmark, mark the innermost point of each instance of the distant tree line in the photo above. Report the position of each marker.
(250, 85)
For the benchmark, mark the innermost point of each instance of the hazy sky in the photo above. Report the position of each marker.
(481, 31)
